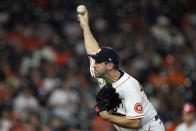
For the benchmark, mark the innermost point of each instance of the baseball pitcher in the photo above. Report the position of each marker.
(134, 112)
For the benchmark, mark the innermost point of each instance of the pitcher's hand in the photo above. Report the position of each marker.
(83, 19)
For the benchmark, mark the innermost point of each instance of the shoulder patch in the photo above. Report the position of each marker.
(138, 108)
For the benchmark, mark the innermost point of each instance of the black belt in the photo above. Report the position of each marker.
(156, 117)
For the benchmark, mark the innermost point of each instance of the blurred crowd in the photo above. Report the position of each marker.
(45, 84)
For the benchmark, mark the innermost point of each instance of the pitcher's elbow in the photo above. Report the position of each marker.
(137, 124)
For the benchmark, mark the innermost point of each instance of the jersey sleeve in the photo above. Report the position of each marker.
(101, 81)
(133, 103)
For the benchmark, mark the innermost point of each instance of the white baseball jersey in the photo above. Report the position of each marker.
(134, 102)
(183, 127)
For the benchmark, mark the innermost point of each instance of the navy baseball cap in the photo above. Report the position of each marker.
(106, 54)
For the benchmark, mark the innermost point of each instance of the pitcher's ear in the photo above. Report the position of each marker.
(110, 65)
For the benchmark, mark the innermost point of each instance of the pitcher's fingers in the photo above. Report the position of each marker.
(86, 12)
(78, 18)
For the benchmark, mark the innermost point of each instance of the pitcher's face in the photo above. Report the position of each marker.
(100, 69)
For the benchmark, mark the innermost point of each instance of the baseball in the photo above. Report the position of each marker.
(81, 9)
